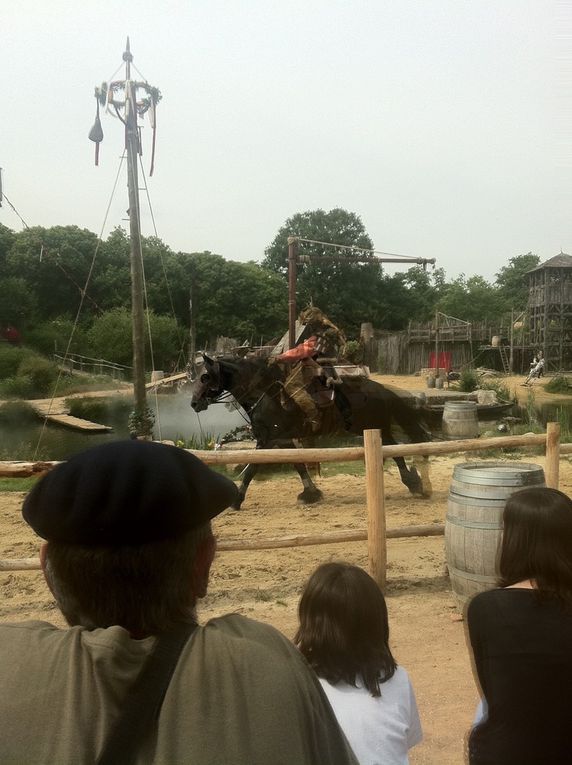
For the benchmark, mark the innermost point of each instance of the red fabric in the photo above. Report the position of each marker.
(11, 334)
(444, 360)
(302, 351)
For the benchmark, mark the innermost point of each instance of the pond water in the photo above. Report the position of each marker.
(23, 436)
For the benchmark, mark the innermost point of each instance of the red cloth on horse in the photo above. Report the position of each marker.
(302, 351)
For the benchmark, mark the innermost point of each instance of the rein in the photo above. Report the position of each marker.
(241, 391)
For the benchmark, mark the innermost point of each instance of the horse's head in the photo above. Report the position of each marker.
(205, 382)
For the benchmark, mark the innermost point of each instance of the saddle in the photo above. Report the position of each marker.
(322, 396)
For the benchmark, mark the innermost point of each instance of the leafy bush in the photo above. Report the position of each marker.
(354, 351)
(17, 387)
(558, 384)
(10, 359)
(110, 338)
(468, 381)
(53, 336)
(41, 372)
(16, 413)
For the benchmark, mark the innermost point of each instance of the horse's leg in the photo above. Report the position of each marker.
(409, 476)
(247, 475)
(311, 492)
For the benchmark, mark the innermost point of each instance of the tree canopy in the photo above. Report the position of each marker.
(43, 272)
(347, 291)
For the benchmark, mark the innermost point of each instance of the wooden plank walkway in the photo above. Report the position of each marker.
(56, 411)
(166, 380)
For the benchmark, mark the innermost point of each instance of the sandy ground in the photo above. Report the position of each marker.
(426, 634)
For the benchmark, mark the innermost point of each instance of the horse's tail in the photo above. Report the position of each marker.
(409, 417)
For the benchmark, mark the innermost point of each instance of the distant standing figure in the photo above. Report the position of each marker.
(521, 636)
(344, 634)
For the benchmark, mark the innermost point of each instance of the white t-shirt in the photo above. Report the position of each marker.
(380, 729)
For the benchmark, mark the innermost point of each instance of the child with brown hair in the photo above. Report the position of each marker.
(344, 635)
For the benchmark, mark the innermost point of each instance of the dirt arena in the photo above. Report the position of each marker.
(426, 634)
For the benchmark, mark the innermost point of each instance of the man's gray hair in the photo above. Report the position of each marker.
(147, 589)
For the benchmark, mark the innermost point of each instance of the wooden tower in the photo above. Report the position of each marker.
(550, 311)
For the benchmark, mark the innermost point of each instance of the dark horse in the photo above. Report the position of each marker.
(357, 404)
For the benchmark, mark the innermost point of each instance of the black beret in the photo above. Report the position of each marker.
(126, 493)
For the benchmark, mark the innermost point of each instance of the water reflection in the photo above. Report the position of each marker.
(174, 419)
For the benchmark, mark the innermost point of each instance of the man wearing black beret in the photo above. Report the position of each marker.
(134, 679)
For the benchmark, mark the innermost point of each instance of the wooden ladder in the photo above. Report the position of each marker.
(504, 358)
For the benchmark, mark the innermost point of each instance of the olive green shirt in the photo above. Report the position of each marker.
(241, 694)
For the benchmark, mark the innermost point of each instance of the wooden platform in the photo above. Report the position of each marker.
(56, 411)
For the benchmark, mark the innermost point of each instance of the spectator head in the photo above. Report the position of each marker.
(537, 541)
(344, 628)
(128, 532)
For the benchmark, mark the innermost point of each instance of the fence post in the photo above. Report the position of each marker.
(552, 466)
(375, 497)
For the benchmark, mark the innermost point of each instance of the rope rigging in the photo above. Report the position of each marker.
(80, 307)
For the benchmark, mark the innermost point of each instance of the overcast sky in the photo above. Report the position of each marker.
(445, 124)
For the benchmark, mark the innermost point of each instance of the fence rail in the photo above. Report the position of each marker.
(74, 361)
(373, 453)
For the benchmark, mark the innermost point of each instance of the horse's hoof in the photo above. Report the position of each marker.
(415, 483)
(238, 504)
(310, 496)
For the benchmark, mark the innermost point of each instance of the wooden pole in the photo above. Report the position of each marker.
(552, 465)
(436, 344)
(292, 274)
(375, 499)
(511, 335)
(192, 326)
(137, 287)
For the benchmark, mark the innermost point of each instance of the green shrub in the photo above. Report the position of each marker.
(17, 413)
(353, 351)
(558, 384)
(10, 359)
(17, 387)
(41, 372)
(53, 336)
(468, 381)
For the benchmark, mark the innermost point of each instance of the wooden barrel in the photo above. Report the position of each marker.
(460, 420)
(439, 382)
(495, 341)
(430, 381)
(473, 524)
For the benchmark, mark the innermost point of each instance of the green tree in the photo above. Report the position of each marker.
(110, 338)
(512, 280)
(241, 300)
(54, 263)
(472, 299)
(17, 303)
(409, 295)
(7, 237)
(347, 292)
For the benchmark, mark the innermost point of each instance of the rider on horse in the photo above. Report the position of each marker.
(312, 361)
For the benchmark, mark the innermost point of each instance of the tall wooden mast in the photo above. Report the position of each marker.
(128, 109)
(136, 252)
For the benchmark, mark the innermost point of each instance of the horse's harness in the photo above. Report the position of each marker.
(240, 391)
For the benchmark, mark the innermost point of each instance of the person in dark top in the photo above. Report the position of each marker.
(521, 637)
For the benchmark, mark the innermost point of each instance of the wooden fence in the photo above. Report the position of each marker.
(75, 362)
(373, 453)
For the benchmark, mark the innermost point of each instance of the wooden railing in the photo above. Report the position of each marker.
(76, 362)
